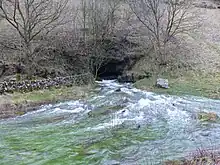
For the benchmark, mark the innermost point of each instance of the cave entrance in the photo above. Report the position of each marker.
(111, 70)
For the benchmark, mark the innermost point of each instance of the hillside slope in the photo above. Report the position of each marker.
(199, 49)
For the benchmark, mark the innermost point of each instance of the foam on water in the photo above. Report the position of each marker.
(147, 109)
(137, 118)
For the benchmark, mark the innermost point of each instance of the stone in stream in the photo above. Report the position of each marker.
(118, 90)
(162, 83)
(207, 116)
(123, 111)
(205, 133)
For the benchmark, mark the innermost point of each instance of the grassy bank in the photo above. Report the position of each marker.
(187, 83)
(53, 95)
(15, 104)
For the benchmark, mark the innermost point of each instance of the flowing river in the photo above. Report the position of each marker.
(126, 126)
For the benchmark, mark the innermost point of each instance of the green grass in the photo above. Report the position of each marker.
(63, 93)
(183, 79)
(191, 83)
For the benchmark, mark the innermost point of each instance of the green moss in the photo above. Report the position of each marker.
(191, 83)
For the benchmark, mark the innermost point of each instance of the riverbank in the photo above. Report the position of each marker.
(16, 104)
(189, 83)
(200, 84)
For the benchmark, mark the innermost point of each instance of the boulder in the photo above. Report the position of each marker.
(118, 90)
(162, 83)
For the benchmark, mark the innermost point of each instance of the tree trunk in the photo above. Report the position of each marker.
(28, 60)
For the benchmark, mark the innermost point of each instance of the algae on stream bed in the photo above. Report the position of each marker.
(139, 128)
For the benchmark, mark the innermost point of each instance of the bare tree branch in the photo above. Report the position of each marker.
(98, 20)
(163, 19)
(30, 18)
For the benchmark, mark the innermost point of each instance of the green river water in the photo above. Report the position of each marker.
(128, 127)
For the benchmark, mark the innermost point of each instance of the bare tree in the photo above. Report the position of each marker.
(102, 24)
(98, 20)
(163, 19)
(32, 18)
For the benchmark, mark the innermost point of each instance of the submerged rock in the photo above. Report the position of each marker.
(208, 116)
(118, 90)
(162, 83)
(205, 133)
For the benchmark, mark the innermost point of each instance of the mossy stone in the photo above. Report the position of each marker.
(208, 116)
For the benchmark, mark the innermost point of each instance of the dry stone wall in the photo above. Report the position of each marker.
(30, 85)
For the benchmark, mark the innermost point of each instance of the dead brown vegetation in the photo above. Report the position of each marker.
(50, 38)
